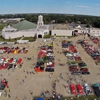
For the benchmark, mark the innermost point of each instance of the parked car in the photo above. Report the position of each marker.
(10, 66)
(86, 88)
(72, 88)
(74, 70)
(72, 63)
(79, 89)
(76, 73)
(79, 41)
(96, 89)
(4, 43)
(85, 73)
(84, 69)
(73, 66)
(2, 86)
(15, 42)
(81, 64)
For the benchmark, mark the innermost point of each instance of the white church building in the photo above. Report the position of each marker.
(26, 29)
(29, 29)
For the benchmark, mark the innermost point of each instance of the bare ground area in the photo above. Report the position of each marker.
(39, 82)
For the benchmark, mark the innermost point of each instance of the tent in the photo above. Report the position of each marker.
(40, 99)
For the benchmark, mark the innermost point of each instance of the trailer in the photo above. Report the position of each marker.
(22, 41)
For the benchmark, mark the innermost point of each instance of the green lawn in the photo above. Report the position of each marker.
(63, 36)
(47, 36)
(2, 26)
(8, 40)
(70, 36)
(90, 97)
(31, 39)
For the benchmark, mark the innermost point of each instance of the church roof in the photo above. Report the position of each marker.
(24, 25)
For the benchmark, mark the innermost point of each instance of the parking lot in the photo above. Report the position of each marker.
(39, 82)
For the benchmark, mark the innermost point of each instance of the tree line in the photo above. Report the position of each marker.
(58, 18)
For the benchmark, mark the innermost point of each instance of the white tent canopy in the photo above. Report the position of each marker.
(22, 41)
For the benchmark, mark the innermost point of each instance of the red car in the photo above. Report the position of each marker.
(77, 58)
(79, 89)
(84, 69)
(73, 69)
(73, 90)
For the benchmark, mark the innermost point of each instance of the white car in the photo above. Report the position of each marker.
(1, 42)
(87, 88)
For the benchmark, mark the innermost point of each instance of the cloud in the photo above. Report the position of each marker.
(97, 4)
(82, 6)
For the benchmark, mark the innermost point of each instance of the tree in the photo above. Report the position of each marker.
(88, 26)
(9, 38)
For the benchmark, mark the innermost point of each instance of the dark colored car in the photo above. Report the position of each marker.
(79, 41)
(10, 66)
(81, 64)
(76, 73)
(74, 70)
(48, 69)
(1, 86)
(4, 42)
(15, 42)
(85, 73)
(96, 89)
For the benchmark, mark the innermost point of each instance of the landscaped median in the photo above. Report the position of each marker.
(9, 40)
(31, 39)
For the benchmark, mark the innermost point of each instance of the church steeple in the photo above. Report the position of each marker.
(40, 20)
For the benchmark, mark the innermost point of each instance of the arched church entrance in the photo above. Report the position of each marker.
(39, 36)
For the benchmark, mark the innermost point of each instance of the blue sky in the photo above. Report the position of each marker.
(85, 7)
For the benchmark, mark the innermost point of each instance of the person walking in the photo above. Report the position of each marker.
(50, 76)
(5, 93)
(9, 96)
(23, 81)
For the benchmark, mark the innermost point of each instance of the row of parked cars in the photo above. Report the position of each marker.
(45, 55)
(92, 51)
(8, 63)
(78, 68)
(76, 65)
(95, 40)
(13, 50)
(80, 89)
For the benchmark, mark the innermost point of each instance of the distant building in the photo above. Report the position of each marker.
(11, 20)
(26, 29)
(29, 29)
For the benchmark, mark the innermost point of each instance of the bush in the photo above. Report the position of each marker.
(47, 36)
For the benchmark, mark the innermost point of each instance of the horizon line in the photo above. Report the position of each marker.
(50, 13)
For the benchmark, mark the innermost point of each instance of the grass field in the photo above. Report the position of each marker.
(2, 26)
(8, 40)
(31, 39)
(63, 36)
(90, 97)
